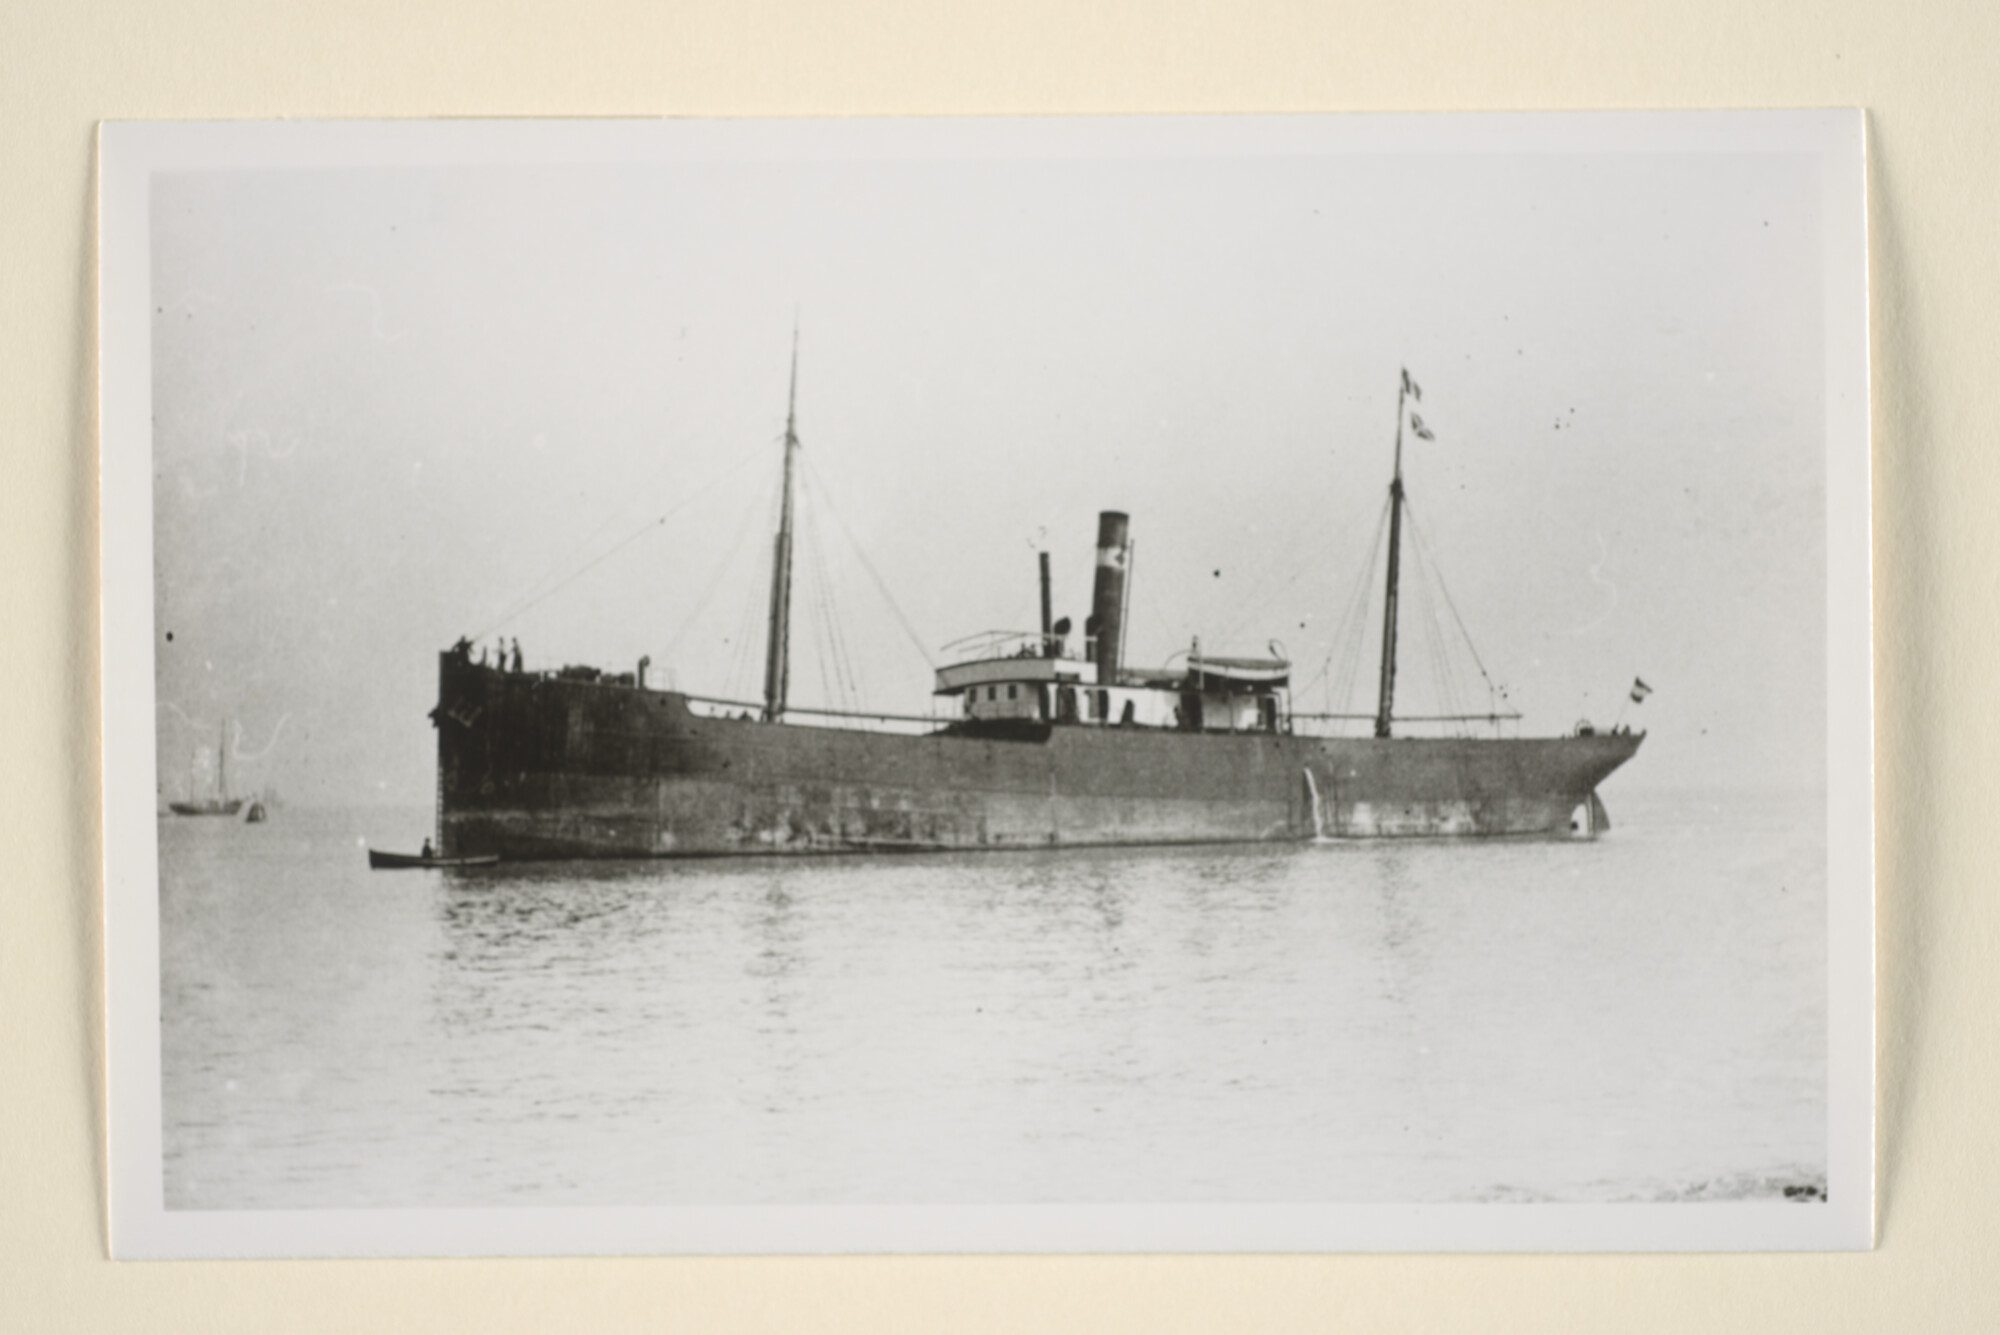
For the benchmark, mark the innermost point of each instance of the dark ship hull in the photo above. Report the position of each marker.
(539, 766)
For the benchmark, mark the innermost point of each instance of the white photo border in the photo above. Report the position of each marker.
(142, 1227)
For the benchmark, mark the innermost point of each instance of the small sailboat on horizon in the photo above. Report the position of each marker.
(219, 803)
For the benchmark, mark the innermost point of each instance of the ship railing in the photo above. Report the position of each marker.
(709, 706)
(1362, 725)
(1003, 644)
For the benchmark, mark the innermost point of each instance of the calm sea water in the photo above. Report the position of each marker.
(1639, 1018)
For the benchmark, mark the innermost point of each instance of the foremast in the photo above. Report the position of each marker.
(777, 652)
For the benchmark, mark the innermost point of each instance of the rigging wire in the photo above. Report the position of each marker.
(1152, 605)
(1491, 689)
(756, 607)
(843, 655)
(1309, 525)
(1252, 612)
(1434, 641)
(634, 498)
(814, 603)
(722, 568)
(818, 601)
(1365, 621)
(829, 689)
(1360, 613)
(837, 624)
(836, 669)
(881, 586)
(1416, 636)
(807, 629)
(746, 635)
(1350, 630)
(617, 547)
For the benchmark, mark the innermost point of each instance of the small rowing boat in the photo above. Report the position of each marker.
(383, 861)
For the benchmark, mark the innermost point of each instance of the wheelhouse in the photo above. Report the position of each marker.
(1020, 678)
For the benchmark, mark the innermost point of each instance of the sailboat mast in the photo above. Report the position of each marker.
(777, 654)
(222, 762)
(1387, 695)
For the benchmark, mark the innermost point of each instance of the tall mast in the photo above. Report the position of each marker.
(1388, 690)
(777, 653)
(222, 762)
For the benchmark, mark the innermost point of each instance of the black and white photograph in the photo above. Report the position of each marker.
(1150, 684)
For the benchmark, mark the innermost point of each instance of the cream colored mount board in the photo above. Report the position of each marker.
(565, 791)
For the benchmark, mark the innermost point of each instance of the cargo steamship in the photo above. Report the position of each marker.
(1045, 748)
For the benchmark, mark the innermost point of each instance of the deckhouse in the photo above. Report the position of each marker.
(1014, 678)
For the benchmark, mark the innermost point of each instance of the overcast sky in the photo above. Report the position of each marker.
(394, 406)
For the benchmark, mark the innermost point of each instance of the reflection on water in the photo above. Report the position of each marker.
(1640, 1018)
(1401, 925)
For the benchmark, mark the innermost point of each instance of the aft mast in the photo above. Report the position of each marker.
(1387, 696)
(777, 654)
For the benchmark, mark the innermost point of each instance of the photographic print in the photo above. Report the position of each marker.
(1161, 684)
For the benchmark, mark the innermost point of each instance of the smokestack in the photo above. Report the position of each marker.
(1108, 595)
(1048, 636)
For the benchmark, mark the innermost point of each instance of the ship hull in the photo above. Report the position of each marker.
(539, 767)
